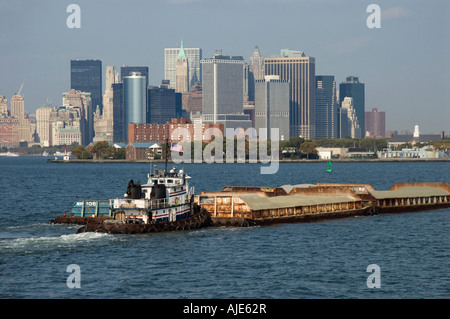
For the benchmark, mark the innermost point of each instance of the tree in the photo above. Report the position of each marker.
(78, 151)
(102, 150)
(309, 148)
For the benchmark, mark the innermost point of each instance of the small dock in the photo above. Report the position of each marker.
(243, 206)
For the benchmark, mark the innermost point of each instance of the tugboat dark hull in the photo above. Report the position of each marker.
(199, 220)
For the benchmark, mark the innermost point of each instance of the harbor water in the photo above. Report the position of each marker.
(327, 259)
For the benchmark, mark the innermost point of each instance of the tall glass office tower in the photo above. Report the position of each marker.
(326, 106)
(86, 76)
(135, 99)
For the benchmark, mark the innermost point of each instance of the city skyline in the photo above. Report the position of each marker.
(39, 46)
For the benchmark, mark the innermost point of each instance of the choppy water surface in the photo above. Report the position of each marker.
(315, 260)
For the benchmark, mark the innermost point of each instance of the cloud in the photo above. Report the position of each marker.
(393, 13)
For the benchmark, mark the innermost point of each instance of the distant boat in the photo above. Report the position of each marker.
(9, 154)
(45, 153)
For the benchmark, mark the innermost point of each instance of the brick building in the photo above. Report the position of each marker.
(160, 133)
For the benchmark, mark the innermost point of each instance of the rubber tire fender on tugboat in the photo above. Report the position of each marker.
(372, 211)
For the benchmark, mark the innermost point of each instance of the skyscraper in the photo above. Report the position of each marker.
(255, 72)
(134, 97)
(349, 124)
(351, 87)
(326, 106)
(163, 104)
(86, 76)
(272, 106)
(375, 123)
(182, 72)
(18, 111)
(299, 70)
(193, 55)
(104, 122)
(43, 127)
(222, 89)
(81, 105)
(118, 113)
(126, 70)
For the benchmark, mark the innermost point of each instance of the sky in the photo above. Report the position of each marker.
(405, 64)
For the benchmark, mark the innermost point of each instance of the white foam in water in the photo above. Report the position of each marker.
(46, 242)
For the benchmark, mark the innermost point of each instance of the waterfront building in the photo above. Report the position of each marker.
(326, 106)
(163, 104)
(223, 92)
(272, 106)
(375, 123)
(193, 56)
(134, 97)
(351, 87)
(86, 76)
(299, 71)
(81, 105)
(396, 139)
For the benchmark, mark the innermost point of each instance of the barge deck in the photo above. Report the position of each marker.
(313, 202)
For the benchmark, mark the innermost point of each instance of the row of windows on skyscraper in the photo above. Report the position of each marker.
(277, 92)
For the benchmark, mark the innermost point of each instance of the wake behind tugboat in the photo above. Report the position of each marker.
(164, 203)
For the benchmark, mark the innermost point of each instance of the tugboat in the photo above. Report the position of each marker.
(164, 203)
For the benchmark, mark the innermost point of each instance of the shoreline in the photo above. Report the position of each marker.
(378, 160)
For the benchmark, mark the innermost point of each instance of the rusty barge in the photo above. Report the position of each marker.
(243, 206)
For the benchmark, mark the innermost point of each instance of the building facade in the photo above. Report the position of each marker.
(349, 123)
(161, 133)
(104, 122)
(182, 72)
(81, 105)
(163, 104)
(86, 76)
(351, 87)
(326, 106)
(118, 113)
(299, 71)
(255, 72)
(43, 125)
(3, 106)
(134, 99)
(192, 100)
(375, 123)
(223, 92)
(193, 56)
(272, 106)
